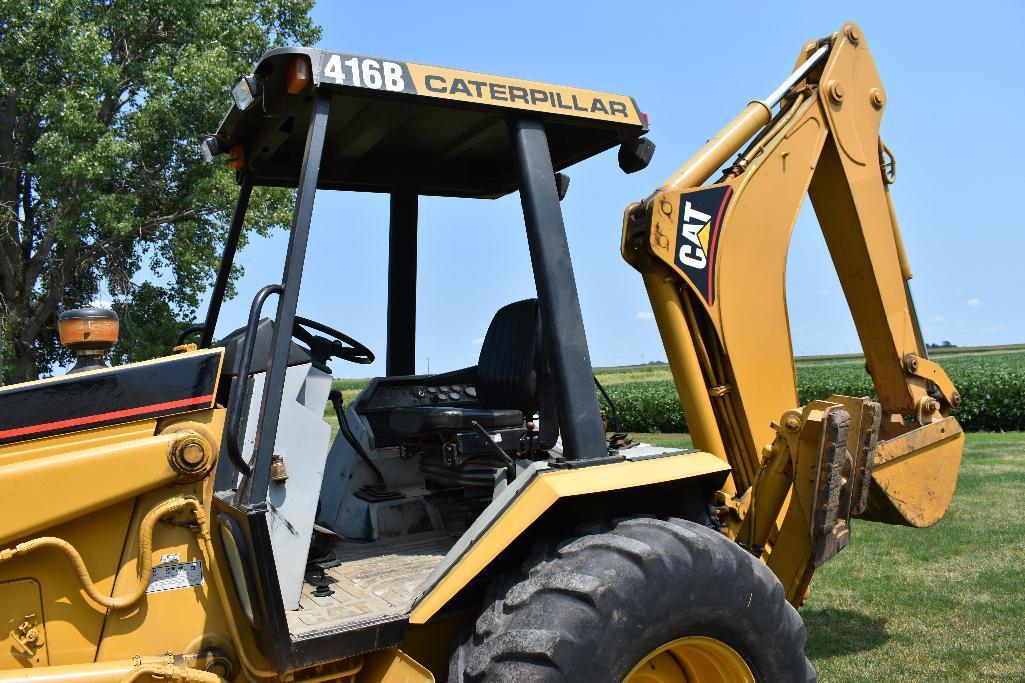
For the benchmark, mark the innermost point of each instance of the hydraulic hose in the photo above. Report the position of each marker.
(760, 141)
(208, 551)
(145, 563)
(163, 668)
(612, 406)
(170, 672)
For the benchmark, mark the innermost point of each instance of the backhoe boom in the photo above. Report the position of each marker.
(713, 259)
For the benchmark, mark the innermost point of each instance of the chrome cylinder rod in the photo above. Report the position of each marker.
(798, 73)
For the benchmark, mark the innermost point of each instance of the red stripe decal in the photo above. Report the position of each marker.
(714, 243)
(104, 417)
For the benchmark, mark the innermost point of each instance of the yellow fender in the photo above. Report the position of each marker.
(516, 509)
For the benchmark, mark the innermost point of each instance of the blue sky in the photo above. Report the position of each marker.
(953, 78)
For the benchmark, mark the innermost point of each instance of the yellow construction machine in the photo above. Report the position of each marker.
(191, 518)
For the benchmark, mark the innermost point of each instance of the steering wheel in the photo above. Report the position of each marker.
(339, 346)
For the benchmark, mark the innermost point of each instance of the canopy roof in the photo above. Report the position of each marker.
(398, 124)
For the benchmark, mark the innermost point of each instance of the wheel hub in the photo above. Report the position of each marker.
(691, 659)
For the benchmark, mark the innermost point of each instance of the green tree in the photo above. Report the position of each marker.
(103, 105)
(149, 325)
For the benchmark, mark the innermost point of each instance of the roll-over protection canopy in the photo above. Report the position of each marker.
(434, 130)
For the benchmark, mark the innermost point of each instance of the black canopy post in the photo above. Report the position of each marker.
(402, 252)
(291, 279)
(227, 259)
(562, 322)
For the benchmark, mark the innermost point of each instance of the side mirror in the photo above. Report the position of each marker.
(636, 154)
(561, 185)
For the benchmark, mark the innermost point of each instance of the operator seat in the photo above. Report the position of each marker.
(508, 374)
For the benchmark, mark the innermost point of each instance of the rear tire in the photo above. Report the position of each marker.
(592, 607)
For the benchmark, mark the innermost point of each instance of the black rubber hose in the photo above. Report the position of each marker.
(612, 406)
(336, 400)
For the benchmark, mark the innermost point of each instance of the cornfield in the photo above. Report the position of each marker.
(991, 384)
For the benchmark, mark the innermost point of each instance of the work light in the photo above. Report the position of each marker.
(246, 91)
(211, 147)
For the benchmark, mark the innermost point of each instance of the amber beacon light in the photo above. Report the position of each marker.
(89, 332)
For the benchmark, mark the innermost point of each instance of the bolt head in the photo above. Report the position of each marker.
(190, 458)
(836, 91)
(853, 34)
(955, 399)
(792, 423)
(192, 454)
(877, 98)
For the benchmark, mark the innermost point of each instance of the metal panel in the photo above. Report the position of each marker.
(302, 442)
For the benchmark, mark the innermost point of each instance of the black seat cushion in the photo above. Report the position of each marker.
(507, 371)
(417, 420)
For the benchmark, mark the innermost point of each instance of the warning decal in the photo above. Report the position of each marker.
(169, 577)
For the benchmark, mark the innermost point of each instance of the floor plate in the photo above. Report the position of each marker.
(373, 580)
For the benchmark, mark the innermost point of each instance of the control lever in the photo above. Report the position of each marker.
(510, 464)
(380, 491)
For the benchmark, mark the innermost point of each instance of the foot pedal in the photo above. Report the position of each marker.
(321, 582)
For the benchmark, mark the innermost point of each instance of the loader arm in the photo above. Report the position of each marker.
(713, 259)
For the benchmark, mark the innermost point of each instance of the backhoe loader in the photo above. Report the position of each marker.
(191, 518)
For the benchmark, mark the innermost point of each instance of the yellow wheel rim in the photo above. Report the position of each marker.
(691, 659)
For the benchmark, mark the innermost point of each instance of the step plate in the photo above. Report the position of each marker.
(373, 581)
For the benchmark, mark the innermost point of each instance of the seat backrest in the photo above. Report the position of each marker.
(507, 372)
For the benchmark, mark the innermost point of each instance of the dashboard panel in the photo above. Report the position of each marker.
(383, 394)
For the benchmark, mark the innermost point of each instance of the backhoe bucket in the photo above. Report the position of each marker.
(914, 475)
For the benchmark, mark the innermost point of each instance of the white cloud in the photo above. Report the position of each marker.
(937, 319)
(644, 315)
(101, 303)
(479, 341)
(973, 302)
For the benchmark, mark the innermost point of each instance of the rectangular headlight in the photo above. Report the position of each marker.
(211, 148)
(246, 91)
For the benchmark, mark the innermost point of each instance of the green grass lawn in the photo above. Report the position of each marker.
(940, 604)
